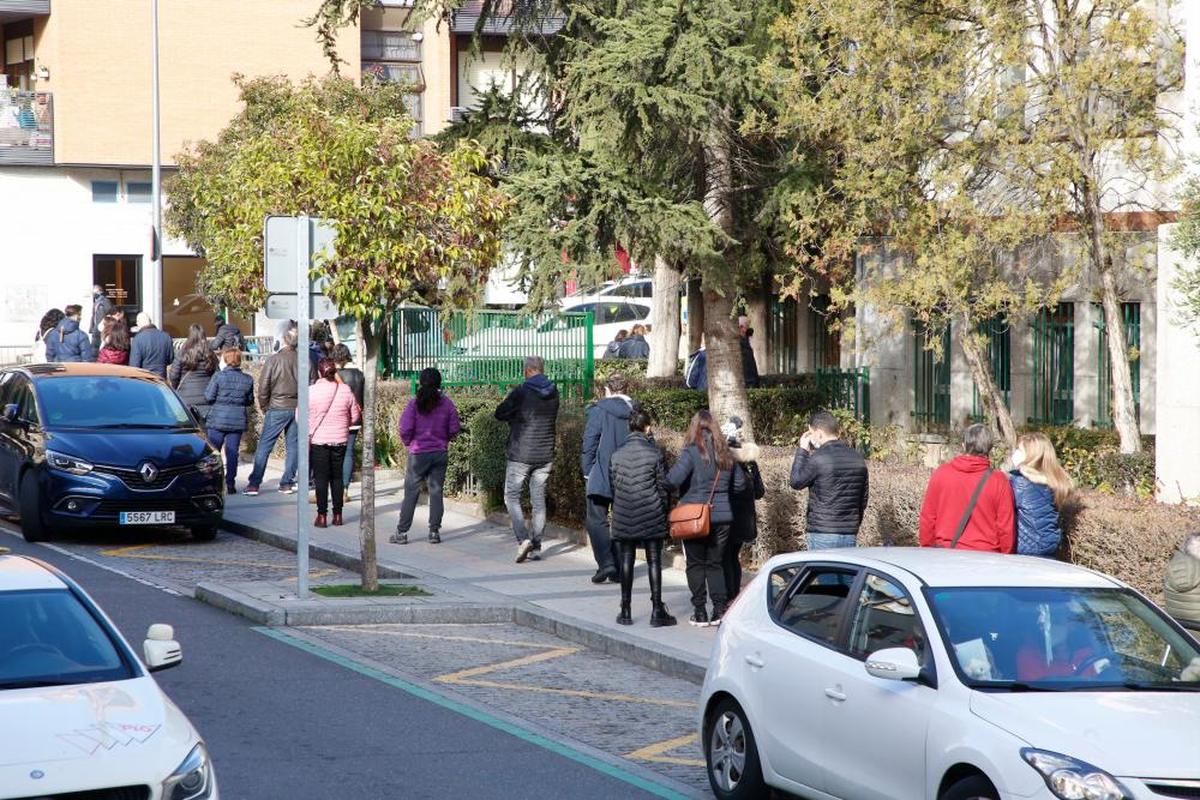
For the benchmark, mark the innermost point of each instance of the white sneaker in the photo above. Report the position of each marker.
(523, 550)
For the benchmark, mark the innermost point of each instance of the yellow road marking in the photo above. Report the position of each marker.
(658, 752)
(135, 551)
(523, 661)
(379, 628)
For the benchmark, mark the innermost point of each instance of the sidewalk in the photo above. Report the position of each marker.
(476, 560)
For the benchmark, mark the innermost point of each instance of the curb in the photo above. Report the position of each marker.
(351, 562)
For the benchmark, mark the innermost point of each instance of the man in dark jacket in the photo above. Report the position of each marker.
(66, 343)
(636, 345)
(277, 394)
(696, 376)
(228, 335)
(836, 478)
(531, 411)
(606, 430)
(102, 306)
(152, 350)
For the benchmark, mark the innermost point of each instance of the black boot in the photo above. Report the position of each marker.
(626, 567)
(659, 616)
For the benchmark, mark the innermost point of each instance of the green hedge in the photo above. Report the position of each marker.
(1094, 460)
(779, 416)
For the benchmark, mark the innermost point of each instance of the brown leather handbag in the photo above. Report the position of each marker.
(693, 520)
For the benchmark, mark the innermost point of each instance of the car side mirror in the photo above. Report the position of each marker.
(160, 648)
(10, 413)
(894, 664)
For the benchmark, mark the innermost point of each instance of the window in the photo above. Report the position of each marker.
(390, 46)
(816, 607)
(638, 289)
(103, 402)
(120, 276)
(137, 192)
(783, 323)
(998, 348)
(104, 191)
(884, 618)
(1132, 313)
(23, 398)
(48, 637)
(607, 313)
(826, 345)
(779, 581)
(1054, 365)
(931, 388)
(394, 57)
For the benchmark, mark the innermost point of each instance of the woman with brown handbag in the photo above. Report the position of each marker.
(705, 477)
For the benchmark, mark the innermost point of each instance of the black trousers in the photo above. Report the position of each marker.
(706, 568)
(599, 531)
(731, 564)
(326, 460)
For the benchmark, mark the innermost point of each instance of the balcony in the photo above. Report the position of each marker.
(466, 20)
(26, 128)
(13, 10)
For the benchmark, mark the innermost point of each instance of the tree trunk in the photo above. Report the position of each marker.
(664, 320)
(368, 342)
(1123, 417)
(994, 408)
(757, 302)
(695, 315)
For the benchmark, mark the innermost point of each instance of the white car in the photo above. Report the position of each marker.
(904, 673)
(627, 287)
(611, 316)
(80, 715)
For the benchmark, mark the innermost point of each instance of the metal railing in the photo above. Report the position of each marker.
(931, 380)
(1132, 312)
(26, 127)
(1053, 385)
(847, 388)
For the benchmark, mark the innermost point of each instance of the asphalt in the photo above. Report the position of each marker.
(287, 717)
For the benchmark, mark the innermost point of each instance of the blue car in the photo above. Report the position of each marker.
(97, 445)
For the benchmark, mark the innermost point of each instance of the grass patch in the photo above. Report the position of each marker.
(355, 590)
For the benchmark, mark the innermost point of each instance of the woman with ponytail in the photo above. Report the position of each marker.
(427, 425)
(1041, 488)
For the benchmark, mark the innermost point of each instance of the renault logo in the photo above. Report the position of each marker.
(148, 472)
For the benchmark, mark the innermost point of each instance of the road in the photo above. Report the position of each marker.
(373, 711)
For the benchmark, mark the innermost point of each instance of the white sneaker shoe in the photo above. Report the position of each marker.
(523, 550)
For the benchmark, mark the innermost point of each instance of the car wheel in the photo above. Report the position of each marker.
(975, 787)
(33, 527)
(204, 533)
(734, 771)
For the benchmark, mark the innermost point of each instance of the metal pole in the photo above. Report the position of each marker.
(303, 297)
(154, 293)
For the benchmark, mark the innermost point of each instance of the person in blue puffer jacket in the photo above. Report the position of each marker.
(229, 393)
(1041, 488)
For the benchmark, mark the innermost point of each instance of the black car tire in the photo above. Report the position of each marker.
(749, 781)
(975, 787)
(204, 533)
(33, 527)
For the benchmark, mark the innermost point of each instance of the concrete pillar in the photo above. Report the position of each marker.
(887, 350)
(1177, 371)
(1020, 337)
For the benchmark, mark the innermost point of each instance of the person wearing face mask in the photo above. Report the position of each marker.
(835, 476)
(1041, 487)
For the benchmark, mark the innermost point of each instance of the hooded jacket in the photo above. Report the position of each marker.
(745, 516)
(606, 430)
(1038, 530)
(635, 346)
(694, 475)
(531, 411)
(697, 370)
(640, 492)
(228, 335)
(838, 485)
(152, 350)
(990, 527)
(68, 344)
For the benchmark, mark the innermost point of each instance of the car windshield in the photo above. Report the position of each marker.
(49, 639)
(1063, 639)
(89, 401)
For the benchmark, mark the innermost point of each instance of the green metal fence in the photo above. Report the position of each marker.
(826, 346)
(1132, 313)
(783, 323)
(999, 354)
(931, 382)
(849, 389)
(488, 348)
(1053, 401)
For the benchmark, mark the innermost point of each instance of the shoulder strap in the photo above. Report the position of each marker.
(962, 524)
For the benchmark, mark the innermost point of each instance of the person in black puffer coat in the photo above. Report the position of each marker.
(638, 473)
(228, 335)
(745, 516)
(836, 478)
(705, 473)
(1040, 489)
(531, 411)
(229, 393)
(189, 374)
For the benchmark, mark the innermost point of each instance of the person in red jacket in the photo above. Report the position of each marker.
(991, 523)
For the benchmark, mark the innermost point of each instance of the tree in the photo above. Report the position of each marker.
(415, 222)
(1187, 239)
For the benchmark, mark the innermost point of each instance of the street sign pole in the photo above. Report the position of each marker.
(303, 299)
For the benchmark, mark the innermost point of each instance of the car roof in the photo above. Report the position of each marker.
(40, 372)
(18, 573)
(941, 567)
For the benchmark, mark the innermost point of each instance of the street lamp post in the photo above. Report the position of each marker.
(154, 290)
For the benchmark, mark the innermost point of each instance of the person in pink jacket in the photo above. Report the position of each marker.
(332, 409)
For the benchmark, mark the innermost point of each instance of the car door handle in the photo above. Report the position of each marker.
(755, 662)
(834, 694)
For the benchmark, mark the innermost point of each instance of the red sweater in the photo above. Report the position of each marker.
(950, 488)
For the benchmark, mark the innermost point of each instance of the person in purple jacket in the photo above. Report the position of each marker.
(427, 425)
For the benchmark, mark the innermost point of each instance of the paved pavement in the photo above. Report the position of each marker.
(490, 711)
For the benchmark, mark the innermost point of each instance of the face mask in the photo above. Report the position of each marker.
(1017, 457)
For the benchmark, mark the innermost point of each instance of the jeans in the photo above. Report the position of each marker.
(429, 468)
(705, 568)
(830, 541)
(276, 421)
(515, 476)
(604, 549)
(228, 441)
(348, 460)
(326, 462)
(731, 565)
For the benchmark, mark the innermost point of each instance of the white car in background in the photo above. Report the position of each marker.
(80, 715)
(904, 673)
(629, 288)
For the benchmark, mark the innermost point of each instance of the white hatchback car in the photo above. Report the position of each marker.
(902, 673)
(80, 715)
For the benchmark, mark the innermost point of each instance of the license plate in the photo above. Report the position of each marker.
(147, 518)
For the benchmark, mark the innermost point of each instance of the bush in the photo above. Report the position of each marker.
(486, 443)
(1094, 460)
(779, 416)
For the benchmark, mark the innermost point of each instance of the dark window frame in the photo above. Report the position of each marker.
(839, 643)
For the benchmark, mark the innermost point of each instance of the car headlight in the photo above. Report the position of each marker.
(66, 463)
(192, 779)
(1071, 779)
(210, 464)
